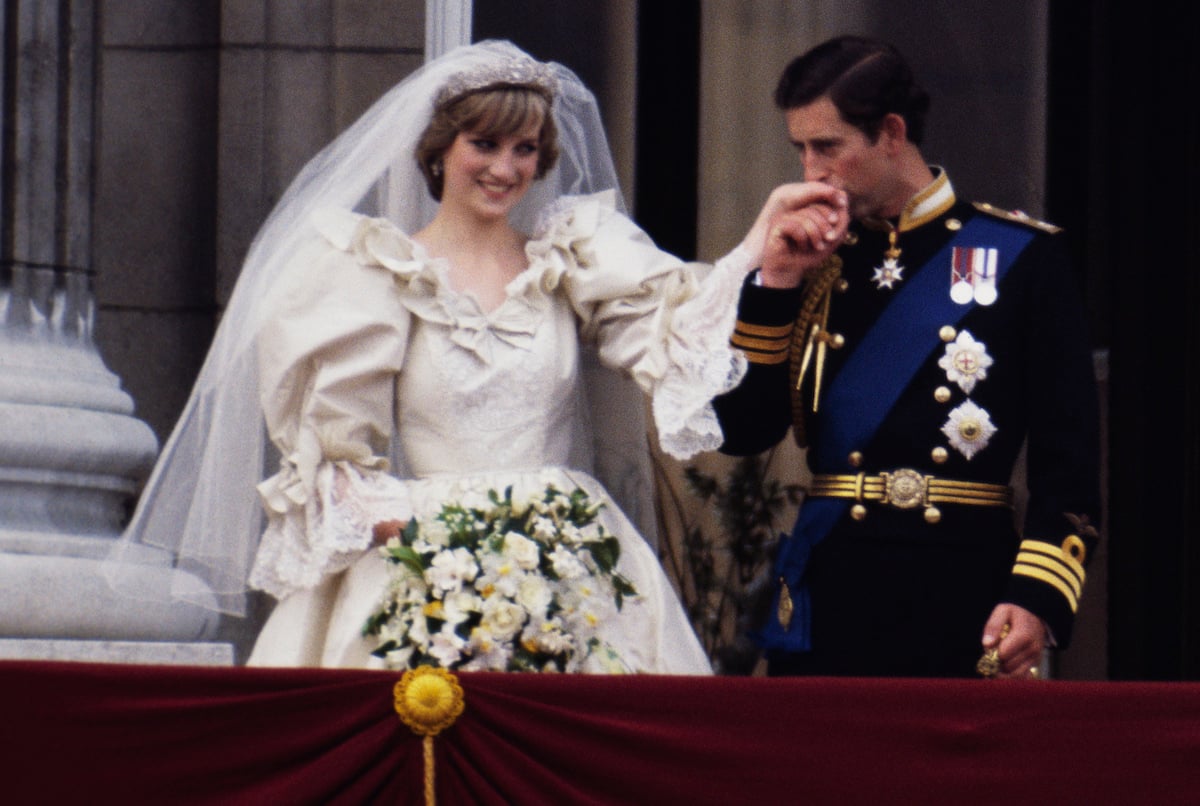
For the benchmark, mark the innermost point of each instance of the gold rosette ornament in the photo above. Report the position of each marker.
(428, 700)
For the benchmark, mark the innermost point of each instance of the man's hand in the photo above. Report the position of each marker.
(1021, 649)
(801, 240)
(799, 226)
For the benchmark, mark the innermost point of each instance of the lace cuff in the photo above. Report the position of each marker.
(702, 363)
(328, 530)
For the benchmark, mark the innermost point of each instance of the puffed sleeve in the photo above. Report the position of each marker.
(665, 322)
(328, 359)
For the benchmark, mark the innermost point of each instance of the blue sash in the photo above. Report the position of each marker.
(864, 391)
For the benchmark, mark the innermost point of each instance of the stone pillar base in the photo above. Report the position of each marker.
(135, 652)
(63, 597)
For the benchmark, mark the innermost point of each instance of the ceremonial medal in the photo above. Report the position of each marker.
(891, 272)
(960, 275)
(973, 274)
(985, 279)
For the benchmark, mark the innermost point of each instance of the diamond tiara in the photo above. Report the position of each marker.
(516, 71)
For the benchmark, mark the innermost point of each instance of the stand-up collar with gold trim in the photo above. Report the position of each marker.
(932, 201)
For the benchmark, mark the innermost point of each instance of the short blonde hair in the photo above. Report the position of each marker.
(494, 112)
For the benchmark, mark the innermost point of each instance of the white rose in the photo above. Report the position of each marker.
(534, 594)
(459, 605)
(434, 532)
(447, 646)
(522, 550)
(450, 569)
(418, 633)
(549, 637)
(500, 576)
(544, 529)
(566, 564)
(487, 653)
(502, 619)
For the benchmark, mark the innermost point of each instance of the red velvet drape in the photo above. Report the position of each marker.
(84, 733)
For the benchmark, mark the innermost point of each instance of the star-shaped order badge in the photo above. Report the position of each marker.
(966, 361)
(969, 428)
(887, 275)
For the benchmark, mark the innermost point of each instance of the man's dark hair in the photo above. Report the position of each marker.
(866, 79)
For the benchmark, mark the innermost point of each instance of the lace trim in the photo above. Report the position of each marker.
(703, 364)
(329, 531)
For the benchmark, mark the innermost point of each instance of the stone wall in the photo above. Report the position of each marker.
(205, 111)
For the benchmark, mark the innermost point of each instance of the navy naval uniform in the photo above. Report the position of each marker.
(907, 539)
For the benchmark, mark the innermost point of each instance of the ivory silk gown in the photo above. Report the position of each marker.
(389, 393)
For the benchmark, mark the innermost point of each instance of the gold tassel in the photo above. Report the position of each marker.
(428, 700)
(786, 608)
(989, 664)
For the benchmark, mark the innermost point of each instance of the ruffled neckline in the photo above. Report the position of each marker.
(561, 243)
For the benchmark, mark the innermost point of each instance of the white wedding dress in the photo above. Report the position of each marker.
(372, 353)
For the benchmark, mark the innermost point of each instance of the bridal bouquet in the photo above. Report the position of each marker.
(510, 586)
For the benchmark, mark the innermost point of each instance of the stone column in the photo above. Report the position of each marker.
(72, 456)
(447, 25)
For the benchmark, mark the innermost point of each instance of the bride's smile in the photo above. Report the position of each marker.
(490, 175)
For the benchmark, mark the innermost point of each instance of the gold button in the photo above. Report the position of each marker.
(941, 394)
(947, 333)
(837, 341)
(932, 515)
(858, 512)
(953, 224)
(940, 455)
(843, 285)
(855, 459)
(851, 238)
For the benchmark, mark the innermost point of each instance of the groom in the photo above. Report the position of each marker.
(913, 357)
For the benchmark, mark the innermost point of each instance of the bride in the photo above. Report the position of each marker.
(414, 322)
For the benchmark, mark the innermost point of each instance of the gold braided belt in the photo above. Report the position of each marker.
(908, 489)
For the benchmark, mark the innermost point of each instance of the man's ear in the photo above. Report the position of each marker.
(893, 131)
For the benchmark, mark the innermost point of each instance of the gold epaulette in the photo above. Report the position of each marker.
(1017, 217)
(808, 332)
